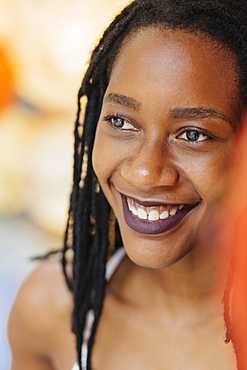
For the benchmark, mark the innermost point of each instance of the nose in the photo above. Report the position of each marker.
(151, 166)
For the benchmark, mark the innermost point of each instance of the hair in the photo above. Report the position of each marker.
(224, 21)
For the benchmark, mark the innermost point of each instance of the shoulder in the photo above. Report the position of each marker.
(42, 307)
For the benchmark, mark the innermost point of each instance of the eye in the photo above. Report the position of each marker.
(120, 123)
(194, 136)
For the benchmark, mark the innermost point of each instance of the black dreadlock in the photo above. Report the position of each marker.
(225, 21)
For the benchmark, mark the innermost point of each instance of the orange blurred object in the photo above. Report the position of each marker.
(6, 80)
(233, 237)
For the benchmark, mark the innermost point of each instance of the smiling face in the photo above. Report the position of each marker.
(164, 140)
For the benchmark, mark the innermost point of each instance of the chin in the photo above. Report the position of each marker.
(157, 254)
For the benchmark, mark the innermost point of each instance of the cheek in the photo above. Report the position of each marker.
(109, 153)
(98, 158)
(209, 174)
(105, 157)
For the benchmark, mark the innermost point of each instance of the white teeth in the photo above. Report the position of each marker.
(164, 215)
(173, 211)
(142, 214)
(134, 211)
(153, 215)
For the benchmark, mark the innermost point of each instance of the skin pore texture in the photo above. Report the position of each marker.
(174, 79)
(165, 86)
(164, 143)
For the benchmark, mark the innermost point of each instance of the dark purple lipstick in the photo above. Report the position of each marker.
(153, 227)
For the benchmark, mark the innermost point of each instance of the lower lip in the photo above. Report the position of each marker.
(153, 227)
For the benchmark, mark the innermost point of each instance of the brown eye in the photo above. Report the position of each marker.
(118, 122)
(193, 136)
(122, 123)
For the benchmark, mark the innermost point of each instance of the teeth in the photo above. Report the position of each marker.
(173, 211)
(134, 211)
(129, 205)
(142, 214)
(153, 215)
(164, 215)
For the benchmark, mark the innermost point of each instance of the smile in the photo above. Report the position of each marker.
(153, 213)
(153, 219)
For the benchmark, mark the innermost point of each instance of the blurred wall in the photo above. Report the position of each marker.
(44, 49)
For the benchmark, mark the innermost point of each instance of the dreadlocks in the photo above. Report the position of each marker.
(224, 21)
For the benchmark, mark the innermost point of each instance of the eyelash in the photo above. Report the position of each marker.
(120, 119)
(198, 132)
(110, 118)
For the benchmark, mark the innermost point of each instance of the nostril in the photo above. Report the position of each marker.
(150, 175)
(150, 166)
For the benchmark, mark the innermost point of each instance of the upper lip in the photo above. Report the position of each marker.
(151, 203)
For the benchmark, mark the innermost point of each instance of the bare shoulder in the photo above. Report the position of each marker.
(41, 314)
(44, 297)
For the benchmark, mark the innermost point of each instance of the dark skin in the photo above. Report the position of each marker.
(153, 160)
(162, 308)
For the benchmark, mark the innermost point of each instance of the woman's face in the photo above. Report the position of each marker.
(164, 140)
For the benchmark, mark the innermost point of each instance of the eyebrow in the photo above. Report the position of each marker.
(122, 100)
(194, 113)
(179, 113)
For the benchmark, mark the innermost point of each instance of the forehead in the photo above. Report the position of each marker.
(174, 67)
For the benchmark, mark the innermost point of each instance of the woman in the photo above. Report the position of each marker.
(166, 92)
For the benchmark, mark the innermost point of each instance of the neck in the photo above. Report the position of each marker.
(193, 277)
(193, 284)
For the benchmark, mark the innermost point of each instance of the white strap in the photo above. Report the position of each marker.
(111, 267)
(86, 335)
(113, 262)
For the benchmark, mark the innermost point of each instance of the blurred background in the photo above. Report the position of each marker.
(44, 49)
